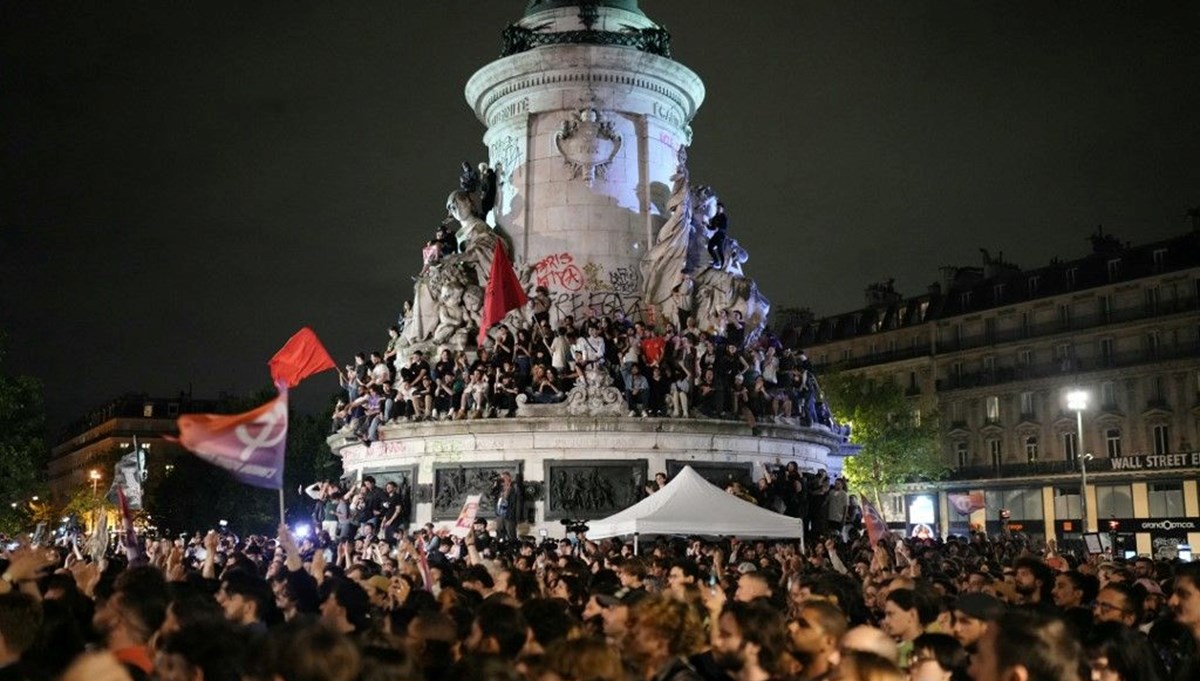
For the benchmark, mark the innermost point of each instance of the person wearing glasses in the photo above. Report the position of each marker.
(1117, 602)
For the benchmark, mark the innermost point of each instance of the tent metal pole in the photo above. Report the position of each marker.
(635, 544)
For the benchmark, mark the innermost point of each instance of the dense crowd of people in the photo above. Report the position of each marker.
(678, 373)
(365, 596)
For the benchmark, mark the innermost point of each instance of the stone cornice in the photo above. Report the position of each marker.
(544, 74)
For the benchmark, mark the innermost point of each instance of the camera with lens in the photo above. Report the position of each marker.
(574, 526)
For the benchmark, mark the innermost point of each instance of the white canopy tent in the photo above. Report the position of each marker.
(690, 505)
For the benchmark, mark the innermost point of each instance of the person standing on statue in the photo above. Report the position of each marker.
(487, 189)
(508, 503)
(683, 297)
(716, 243)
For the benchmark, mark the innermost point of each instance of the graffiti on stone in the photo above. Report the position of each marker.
(625, 280)
(595, 304)
(558, 270)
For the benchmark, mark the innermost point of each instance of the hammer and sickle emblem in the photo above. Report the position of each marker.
(272, 428)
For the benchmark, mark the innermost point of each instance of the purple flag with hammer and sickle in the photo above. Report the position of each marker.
(249, 445)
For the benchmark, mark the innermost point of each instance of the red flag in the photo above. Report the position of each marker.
(300, 357)
(504, 292)
(876, 528)
(249, 445)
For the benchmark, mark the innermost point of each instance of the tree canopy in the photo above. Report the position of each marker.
(22, 445)
(899, 444)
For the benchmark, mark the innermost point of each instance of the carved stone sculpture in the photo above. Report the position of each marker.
(595, 395)
(682, 246)
(588, 144)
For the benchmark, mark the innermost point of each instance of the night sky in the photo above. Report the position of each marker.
(186, 184)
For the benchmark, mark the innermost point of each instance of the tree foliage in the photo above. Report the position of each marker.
(23, 451)
(898, 445)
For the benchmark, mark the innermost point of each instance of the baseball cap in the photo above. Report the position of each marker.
(624, 596)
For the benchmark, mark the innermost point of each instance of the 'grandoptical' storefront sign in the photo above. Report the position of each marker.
(1156, 462)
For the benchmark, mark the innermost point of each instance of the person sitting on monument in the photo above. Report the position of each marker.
(637, 392)
(422, 399)
(504, 342)
(539, 305)
(504, 396)
(735, 330)
(739, 397)
(443, 396)
(707, 398)
(681, 390)
(660, 388)
(523, 356)
(541, 341)
(475, 396)
(545, 389)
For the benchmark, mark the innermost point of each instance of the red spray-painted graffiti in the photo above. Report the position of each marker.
(558, 270)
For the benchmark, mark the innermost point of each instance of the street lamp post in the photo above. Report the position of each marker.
(1077, 401)
(94, 475)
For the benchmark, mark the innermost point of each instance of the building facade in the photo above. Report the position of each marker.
(995, 350)
(99, 438)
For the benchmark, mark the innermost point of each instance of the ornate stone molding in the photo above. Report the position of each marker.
(654, 40)
(588, 144)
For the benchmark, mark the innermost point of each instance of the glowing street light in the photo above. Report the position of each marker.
(1077, 401)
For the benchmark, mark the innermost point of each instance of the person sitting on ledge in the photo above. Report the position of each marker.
(637, 392)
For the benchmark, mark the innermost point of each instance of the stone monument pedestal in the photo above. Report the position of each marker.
(576, 468)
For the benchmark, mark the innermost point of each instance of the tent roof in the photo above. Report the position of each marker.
(690, 505)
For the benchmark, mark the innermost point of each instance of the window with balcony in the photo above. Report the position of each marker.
(1153, 344)
(989, 364)
(1104, 307)
(1114, 269)
(1112, 442)
(1064, 314)
(993, 409)
(1161, 438)
(962, 454)
(1108, 395)
(1025, 358)
(1069, 276)
(1106, 351)
(1166, 499)
(995, 453)
(1031, 448)
(1159, 258)
(957, 417)
(1153, 300)
(964, 300)
(1025, 325)
(1028, 408)
(998, 294)
(1157, 391)
(1032, 284)
(1070, 445)
(1114, 500)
